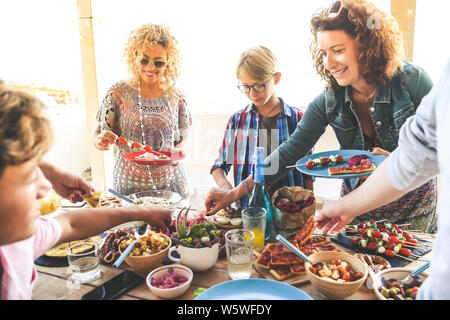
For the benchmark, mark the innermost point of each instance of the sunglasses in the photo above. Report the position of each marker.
(335, 9)
(158, 64)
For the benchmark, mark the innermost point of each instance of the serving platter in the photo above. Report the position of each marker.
(322, 171)
(172, 157)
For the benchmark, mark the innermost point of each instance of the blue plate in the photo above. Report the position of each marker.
(322, 172)
(253, 289)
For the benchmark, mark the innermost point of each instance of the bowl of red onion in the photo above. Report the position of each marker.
(170, 281)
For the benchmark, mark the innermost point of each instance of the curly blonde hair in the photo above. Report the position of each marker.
(25, 133)
(138, 42)
(377, 35)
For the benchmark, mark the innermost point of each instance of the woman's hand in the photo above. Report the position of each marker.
(218, 199)
(104, 140)
(377, 150)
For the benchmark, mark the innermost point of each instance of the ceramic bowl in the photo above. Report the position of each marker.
(395, 273)
(332, 289)
(198, 259)
(174, 292)
(146, 263)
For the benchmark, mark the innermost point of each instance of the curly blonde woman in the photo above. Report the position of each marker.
(146, 108)
(370, 92)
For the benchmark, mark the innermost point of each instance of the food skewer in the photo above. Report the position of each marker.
(339, 161)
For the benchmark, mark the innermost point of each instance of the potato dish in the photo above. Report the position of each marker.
(148, 244)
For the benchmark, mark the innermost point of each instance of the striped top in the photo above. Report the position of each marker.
(243, 134)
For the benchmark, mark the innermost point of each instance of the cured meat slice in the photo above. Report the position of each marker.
(298, 268)
(264, 260)
(281, 272)
(351, 169)
(306, 232)
(285, 258)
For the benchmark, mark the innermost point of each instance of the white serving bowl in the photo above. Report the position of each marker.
(170, 293)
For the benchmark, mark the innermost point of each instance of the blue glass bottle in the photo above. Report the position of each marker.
(259, 196)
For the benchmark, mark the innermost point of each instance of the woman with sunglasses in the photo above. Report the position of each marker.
(267, 118)
(146, 108)
(370, 92)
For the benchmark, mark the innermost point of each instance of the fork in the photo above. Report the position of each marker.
(295, 250)
(138, 233)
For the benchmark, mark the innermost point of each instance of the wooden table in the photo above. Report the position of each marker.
(53, 284)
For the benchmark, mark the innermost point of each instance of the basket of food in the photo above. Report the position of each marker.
(292, 207)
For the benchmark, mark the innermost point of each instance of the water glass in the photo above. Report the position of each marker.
(254, 219)
(239, 248)
(199, 197)
(84, 262)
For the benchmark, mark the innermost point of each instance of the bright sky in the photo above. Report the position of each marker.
(40, 43)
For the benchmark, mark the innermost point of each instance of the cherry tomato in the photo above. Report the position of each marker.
(372, 246)
(355, 242)
(339, 159)
(389, 253)
(361, 225)
(413, 241)
(122, 140)
(136, 145)
(310, 164)
(362, 232)
(390, 245)
(377, 234)
(147, 148)
(393, 239)
(405, 252)
(407, 235)
(324, 161)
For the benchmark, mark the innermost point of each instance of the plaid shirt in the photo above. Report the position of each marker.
(243, 135)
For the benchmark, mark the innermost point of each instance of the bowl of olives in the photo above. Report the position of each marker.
(390, 286)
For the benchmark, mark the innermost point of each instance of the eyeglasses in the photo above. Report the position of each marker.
(158, 64)
(259, 87)
(335, 9)
(256, 87)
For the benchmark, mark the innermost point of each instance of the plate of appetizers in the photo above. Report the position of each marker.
(340, 164)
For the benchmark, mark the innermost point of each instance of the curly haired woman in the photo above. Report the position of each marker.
(146, 108)
(370, 92)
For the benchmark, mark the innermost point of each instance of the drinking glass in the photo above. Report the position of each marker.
(199, 197)
(254, 219)
(239, 247)
(84, 261)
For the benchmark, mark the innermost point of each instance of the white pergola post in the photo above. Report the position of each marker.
(90, 85)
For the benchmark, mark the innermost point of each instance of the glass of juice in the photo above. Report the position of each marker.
(239, 248)
(254, 219)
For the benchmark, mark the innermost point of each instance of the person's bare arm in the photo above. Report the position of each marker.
(82, 223)
(219, 198)
(376, 191)
(308, 182)
(221, 180)
(65, 183)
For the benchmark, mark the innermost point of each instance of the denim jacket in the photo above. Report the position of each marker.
(394, 103)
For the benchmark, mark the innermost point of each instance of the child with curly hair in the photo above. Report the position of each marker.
(25, 137)
(146, 108)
